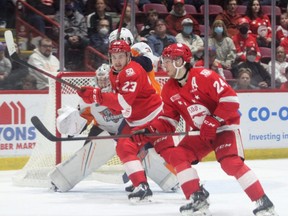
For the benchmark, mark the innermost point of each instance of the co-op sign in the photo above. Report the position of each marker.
(14, 132)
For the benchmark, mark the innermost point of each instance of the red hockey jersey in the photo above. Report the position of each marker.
(205, 93)
(133, 95)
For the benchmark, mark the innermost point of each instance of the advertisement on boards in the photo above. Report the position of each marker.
(264, 118)
(17, 134)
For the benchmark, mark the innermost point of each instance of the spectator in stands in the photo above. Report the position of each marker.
(284, 86)
(280, 65)
(75, 53)
(284, 43)
(100, 41)
(214, 64)
(78, 5)
(5, 67)
(74, 22)
(96, 16)
(194, 42)
(230, 17)
(127, 23)
(43, 59)
(18, 72)
(260, 76)
(160, 39)
(225, 48)
(242, 39)
(282, 29)
(260, 25)
(149, 23)
(76, 38)
(47, 7)
(244, 80)
(175, 17)
(29, 82)
(3, 13)
(7, 13)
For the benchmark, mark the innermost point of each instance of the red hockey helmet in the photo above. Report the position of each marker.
(119, 46)
(177, 50)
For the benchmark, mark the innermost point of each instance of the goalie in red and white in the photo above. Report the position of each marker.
(94, 154)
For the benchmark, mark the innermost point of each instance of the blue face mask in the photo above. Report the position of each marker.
(187, 29)
(218, 30)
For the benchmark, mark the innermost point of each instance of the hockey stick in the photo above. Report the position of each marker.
(14, 56)
(46, 133)
(121, 19)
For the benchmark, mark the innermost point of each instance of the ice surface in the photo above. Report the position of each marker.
(96, 198)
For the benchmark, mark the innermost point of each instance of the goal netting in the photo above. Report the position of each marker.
(47, 154)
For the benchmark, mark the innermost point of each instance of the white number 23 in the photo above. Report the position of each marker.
(129, 86)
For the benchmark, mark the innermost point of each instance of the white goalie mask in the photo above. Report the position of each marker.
(125, 34)
(102, 78)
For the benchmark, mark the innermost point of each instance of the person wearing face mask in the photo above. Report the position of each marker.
(230, 16)
(193, 41)
(100, 40)
(260, 76)
(224, 45)
(175, 17)
(243, 38)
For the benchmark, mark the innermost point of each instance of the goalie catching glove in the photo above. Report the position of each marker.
(90, 95)
(209, 127)
(139, 133)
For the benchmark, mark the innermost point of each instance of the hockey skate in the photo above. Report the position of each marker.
(198, 206)
(264, 207)
(141, 193)
(129, 188)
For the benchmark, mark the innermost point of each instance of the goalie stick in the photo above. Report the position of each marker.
(14, 57)
(46, 133)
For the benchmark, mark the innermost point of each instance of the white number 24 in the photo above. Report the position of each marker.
(219, 85)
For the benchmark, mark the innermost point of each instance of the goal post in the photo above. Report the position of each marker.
(47, 154)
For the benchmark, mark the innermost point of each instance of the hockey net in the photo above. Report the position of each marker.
(47, 154)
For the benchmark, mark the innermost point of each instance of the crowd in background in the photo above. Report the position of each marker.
(236, 40)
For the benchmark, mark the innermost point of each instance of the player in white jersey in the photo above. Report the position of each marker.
(94, 153)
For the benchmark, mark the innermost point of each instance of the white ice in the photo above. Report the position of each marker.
(96, 198)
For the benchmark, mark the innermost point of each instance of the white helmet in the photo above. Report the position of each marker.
(143, 49)
(125, 34)
(102, 78)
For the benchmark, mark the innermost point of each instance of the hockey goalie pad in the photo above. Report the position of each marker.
(69, 121)
(85, 161)
(157, 170)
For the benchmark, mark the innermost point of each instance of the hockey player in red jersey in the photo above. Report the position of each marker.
(134, 97)
(208, 105)
(73, 121)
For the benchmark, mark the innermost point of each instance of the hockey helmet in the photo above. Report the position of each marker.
(119, 46)
(177, 50)
(125, 34)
